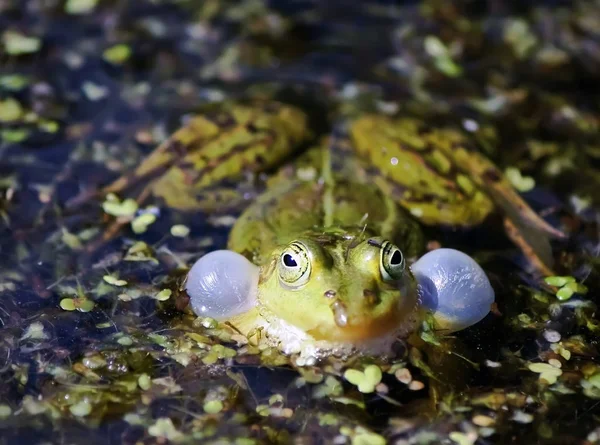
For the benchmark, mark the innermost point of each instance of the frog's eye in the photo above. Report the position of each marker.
(391, 262)
(294, 265)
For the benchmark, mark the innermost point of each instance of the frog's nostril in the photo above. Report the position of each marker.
(330, 294)
(371, 297)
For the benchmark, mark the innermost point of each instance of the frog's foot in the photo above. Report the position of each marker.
(454, 287)
(222, 284)
(534, 245)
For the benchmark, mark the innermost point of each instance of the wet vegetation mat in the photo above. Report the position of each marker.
(97, 343)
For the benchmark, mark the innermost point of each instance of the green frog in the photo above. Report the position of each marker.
(323, 255)
(322, 267)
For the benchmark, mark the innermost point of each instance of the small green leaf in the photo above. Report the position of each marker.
(13, 82)
(564, 293)
(213, 406)
(144, 382)
(540, 367)
(547, 372)
(594, 380)
(85, 305)
(368, 438)
(163, 295)
(67, 304)
(164, 428)
(518, 181)
(180, 231)
(10, 110)
(366, 380)
(48, 126)
(113, 207)
(14, 135)
(71, 240)
(77, 7)
(441, 57)
(16, 43)
(35, 331)
(125, 341)
(577, 287)
(117, 54)
(5, 411)
(114, 281)
(94, 92)
(558, 281)
(141, 223)
(462, 438)
(81, 409)
(517, 33)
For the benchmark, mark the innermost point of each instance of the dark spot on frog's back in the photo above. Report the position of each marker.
(491, 175)
(225, 120)
(260, 160)
(451, 186)
(177, 147)
(464, 145)
(372, 171)
(422, 128)
(326, 239)
(271, 107)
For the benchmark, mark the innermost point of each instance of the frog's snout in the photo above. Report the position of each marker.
(340, 310)
(361, 312)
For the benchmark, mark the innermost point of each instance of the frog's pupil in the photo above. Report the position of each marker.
(289, 261)
(396, 258)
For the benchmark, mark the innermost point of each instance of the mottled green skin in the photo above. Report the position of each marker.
(292, 207)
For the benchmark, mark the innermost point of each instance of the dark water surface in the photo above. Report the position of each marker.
(89, 88)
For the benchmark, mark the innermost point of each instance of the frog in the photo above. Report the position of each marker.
(416, 174)
(318, 268)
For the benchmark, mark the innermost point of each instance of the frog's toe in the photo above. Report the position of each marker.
(454, 287)
(222, 284)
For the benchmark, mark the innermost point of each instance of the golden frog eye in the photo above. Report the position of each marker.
(294, 265)
(391, 263)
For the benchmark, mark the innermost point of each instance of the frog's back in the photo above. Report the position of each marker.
(294, 207)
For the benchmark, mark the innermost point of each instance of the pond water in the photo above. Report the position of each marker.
(96, 342)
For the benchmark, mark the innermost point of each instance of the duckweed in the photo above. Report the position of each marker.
(366, 380)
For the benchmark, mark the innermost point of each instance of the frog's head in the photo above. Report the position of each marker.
(335, 288)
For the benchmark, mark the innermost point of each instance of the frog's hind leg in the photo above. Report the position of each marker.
(211, 149)
(485, 173)
(158, 162)
(220, 144)
(535, 246)
(522, 224)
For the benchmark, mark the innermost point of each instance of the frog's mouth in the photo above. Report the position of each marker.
(363, 335)
(369, 315)
(361, 329)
